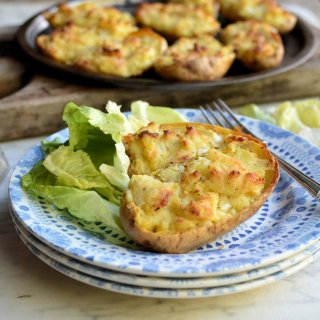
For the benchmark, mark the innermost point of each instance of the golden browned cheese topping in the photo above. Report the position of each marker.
(265, 10)
(131, 57)
(177, 20)
(89, 15)
(120, 52)
(188, 176)
(71, 41)
(201, 54)
(100, 39)
(257, 44)
(210, 6)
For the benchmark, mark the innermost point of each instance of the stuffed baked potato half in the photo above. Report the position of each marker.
(201, 58)
(191, 183)
(175, 20)
(258, 45)
(268, 11)
(88, 15)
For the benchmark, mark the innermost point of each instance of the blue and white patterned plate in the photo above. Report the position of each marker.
(155, 282)
(150, 292)
(287, 222)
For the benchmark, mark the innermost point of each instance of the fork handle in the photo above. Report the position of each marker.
(309, 184)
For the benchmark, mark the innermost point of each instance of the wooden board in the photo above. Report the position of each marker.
(36, 108)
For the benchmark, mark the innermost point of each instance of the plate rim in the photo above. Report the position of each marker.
(149, 292)
(173, 283)
(134, 269)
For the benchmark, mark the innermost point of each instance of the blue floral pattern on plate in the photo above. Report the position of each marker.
(157, 282)
(168, 293)
(287, 222)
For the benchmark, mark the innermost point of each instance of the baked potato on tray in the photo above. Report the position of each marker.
(95, 38)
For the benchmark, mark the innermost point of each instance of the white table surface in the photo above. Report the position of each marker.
(29, 289)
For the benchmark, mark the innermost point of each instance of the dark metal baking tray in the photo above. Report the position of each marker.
(299, 44)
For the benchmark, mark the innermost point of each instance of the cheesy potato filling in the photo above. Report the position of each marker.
(73, 41)
(176, 19)
(114, 51)
(257, 44)
(189, 177)
(99, 39)
(131, 57)
(188, 49)
(263, 10)
(89, 15)
(210, 6)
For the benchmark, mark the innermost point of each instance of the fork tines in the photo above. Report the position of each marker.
(218, 112)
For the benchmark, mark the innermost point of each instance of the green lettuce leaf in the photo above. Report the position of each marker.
(146, 113)
(38, 175)
(75, 169)
(253, 111)
(309, 112)
(86, 132)
(117, 174)
(100, 135)
(86, 205)
(288, 117)
(127, 125)
(49, 146)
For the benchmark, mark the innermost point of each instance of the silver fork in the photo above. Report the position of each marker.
(220, 118)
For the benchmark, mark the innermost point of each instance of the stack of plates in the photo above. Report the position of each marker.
(280, 239)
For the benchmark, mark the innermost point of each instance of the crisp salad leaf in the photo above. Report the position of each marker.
(75, 169)
(83, 204)
(288, 117)
(253, 111)
(147, 113)
(38, 175)
(87, 174)
(117, 174)
(49, 146)
(301, 117)
(85, 132)
(308, 112)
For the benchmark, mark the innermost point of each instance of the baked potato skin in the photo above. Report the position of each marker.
(257, 45)
(187, 241)
(175, 20)
(264, 10)
(195, 59)
(190, 239)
